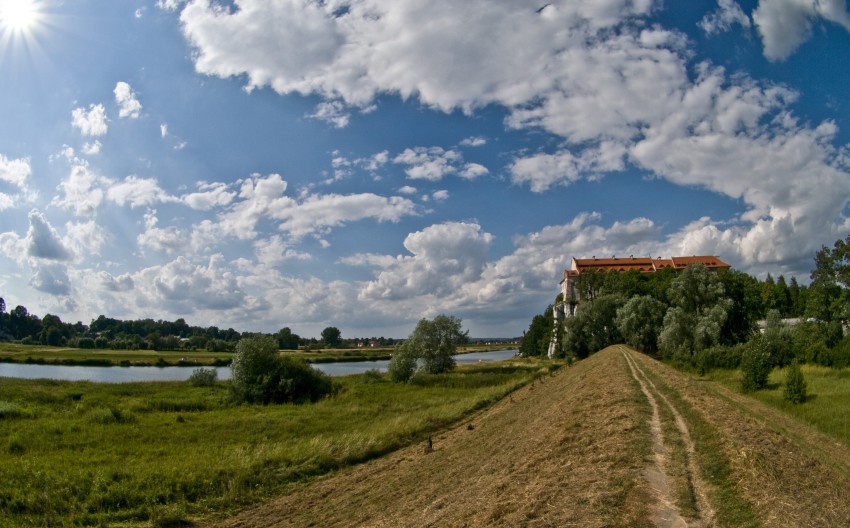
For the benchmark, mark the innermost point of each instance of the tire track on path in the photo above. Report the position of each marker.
(666, 513)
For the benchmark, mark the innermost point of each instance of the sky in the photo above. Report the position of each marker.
(256, 164)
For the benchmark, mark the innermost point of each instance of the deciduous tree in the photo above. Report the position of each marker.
(699, 310)
(332, 337)
(260, 375)
(431, 347)
(640, 321)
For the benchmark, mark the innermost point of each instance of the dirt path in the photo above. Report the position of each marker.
(789, 473)
(666, 512)
(606, 442)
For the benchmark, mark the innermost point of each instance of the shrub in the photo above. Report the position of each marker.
(402, 365)
(110, 416)
(720, 356)
(817, 353)
(261, 375)
(373, 376)
(840, 354)
(203, 377)
(85, 342)
(169, 516)
(16, 446)
(9, 410)
(795, 384)
(755, 364)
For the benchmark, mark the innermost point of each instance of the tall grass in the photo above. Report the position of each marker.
(94, 454)
(827, 406)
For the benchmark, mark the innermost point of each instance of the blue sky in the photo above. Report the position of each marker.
(364, 163)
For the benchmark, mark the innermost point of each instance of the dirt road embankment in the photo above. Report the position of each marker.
(615, 440)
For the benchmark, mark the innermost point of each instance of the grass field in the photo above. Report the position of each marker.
(828, 405)
(109, 454)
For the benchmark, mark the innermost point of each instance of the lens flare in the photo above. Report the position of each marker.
(19, 16)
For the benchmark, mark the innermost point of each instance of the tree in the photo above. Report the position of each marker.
(795, 384)
(829, 297)
(593, 327)
(782, 296)
(23, 324)
(332, 337)
(431, 347)
(640, 321)
(755, 364)
(286, 340)
(403, 363)
(747, 305)
(535, 342)
(797, 295)
(260, 375)
(695, 320)
(779, 338)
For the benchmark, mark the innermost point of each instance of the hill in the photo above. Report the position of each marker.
(618, 439)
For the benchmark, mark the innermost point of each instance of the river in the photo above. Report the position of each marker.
(133, 374)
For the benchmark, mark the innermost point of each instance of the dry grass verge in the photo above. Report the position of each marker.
(568, 450)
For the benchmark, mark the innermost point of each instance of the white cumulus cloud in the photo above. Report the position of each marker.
(91, 122)
(786, 24)
(728, 13)
(136, 192)
(128, 104)
(42, 240)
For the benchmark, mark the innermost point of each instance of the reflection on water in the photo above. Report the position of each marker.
(131, 374)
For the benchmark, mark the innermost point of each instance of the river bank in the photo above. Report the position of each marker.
(82, 453)
(47, 355)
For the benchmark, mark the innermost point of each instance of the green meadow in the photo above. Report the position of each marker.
(827, 407)
(75, 453)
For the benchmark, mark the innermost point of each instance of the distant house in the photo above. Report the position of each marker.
(579, 268)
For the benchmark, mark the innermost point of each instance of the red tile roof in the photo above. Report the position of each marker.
(641, 264)
(707, 261)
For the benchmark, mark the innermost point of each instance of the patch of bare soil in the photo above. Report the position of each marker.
(568, 450)
(665, 512)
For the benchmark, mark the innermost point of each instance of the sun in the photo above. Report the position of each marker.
(19, 16)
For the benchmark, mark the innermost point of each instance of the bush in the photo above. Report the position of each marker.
(373, 376)
(261, 375)
(9, 410)
(402, 365)
(840, 354)
(817, 353)
(755, 364)
(85, 342)
(795, 384)
(720, 356)
(111, 415)
(203, 377)
(16, 446)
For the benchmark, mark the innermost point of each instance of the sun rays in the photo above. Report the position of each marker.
(20, 21)
(19, 15)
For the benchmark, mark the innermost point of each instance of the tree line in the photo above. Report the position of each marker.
(149, 334)
(705, 319)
